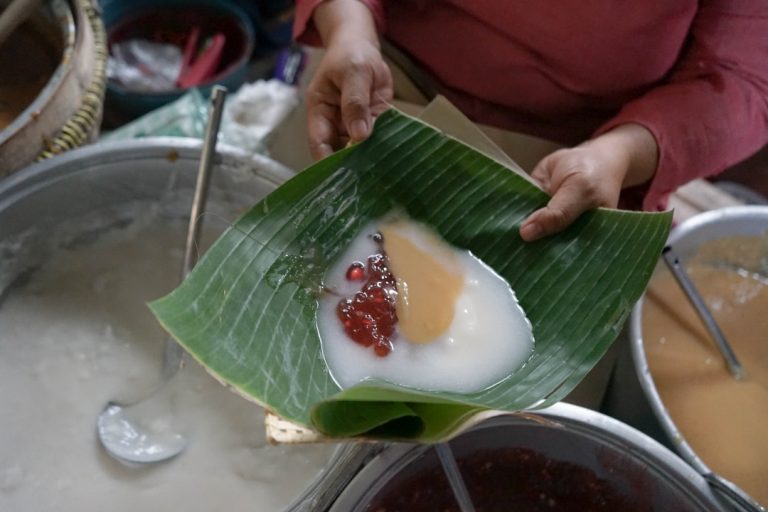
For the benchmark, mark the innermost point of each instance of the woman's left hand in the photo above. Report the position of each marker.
(589, 176)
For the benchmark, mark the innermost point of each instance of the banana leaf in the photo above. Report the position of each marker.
(247, 311)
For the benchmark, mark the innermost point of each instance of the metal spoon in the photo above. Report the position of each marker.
(452, 472)
(138, 432)
(681, 276)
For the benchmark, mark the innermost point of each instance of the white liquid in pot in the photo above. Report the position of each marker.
(80, 334)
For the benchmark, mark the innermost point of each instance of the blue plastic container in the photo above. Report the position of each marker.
(146, 18)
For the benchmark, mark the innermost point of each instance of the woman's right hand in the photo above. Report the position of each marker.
(352, 84)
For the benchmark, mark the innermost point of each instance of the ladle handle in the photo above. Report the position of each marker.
(218, 94)
(173, 355)
(681, 276)
(453, 474)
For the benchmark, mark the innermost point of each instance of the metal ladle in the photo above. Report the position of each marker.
(130, 432)
(682, 278)
(455, 480)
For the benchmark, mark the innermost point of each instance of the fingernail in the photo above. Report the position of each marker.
(530, 232)
(358, 130)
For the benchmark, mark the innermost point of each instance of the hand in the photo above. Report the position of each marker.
(589, 176)
(352, 84)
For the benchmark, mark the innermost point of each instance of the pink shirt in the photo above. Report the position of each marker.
(695, 73)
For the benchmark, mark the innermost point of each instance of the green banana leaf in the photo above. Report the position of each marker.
(247, 312)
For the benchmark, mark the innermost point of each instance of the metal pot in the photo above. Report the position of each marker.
(67, 112)
(641, 469)
(75, 197)
(633, 396)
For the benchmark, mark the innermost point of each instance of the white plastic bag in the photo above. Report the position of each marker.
(145, 66)
(254, 111)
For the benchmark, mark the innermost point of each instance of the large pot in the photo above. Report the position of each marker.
(77, 196)
(561, 447)
(633, 396)
(67, 111)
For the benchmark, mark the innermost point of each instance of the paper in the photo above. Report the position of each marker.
(442, 114)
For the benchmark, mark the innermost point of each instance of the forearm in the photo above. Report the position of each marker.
(711, 111)
(338, 20)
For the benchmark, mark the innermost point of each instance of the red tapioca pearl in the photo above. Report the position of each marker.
(382, 349)
(369, 316)
(356, 272)
(377, 294)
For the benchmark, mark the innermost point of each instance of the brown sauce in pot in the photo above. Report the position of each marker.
(28, 59)
(724, 420)
(515, 479)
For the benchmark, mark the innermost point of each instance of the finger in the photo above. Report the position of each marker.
(355, 103)
(565, 207)
(323, 136)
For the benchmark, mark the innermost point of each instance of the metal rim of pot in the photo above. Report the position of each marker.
(579, 420)
(17, 187)
(721, 485)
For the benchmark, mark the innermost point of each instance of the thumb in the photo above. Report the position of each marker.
(564, 208)
(356, 102)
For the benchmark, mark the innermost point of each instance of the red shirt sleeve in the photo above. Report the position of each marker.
(712, 111)
(304, 29)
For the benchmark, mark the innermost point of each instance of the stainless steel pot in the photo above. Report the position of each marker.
(633, 396)
(642, 469)
(73, 198)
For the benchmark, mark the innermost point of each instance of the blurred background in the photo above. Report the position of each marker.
(135, 68)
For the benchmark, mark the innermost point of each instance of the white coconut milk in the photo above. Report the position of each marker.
(79, 334)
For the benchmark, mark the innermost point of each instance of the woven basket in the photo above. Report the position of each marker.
(83, 125)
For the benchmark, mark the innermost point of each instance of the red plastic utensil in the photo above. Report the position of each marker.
(190, 49)
(206, 63)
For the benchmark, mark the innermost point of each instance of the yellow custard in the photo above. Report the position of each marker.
(429, 281)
